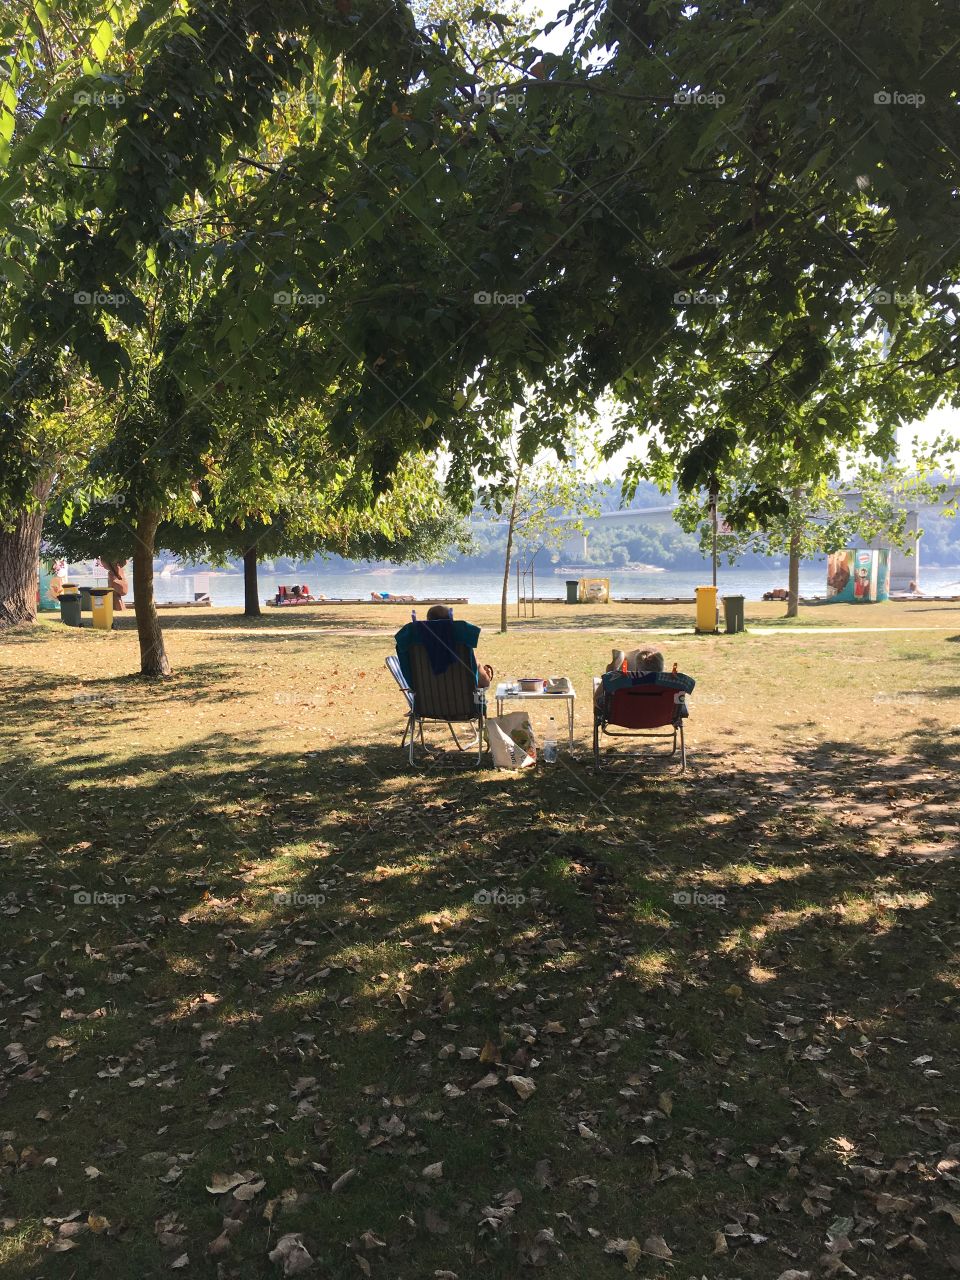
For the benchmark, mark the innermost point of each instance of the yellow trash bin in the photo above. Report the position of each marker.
(101, 607)
(706, 609)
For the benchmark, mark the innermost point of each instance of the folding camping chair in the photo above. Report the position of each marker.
(452, 697)
(393, 666)
(637, 712)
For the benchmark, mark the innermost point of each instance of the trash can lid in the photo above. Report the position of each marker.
(100, 591)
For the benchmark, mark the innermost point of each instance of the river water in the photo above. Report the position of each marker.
(484, 588)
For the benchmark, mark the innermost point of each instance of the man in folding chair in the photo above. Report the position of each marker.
(643, 706)
(440, 678)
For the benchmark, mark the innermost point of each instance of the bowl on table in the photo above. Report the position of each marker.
(531, 684)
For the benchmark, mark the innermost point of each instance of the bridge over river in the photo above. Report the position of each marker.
(904, 565)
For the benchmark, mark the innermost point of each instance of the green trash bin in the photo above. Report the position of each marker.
(573, 590)
(733, 613)
(70, 606)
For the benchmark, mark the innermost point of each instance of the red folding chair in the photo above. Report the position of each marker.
(638, 712)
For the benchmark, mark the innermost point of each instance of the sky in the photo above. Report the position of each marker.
(946, 419)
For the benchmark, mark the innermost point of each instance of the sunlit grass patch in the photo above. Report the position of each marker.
(750, 873)
(648, 967)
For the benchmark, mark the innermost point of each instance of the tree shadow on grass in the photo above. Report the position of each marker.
(314, 961)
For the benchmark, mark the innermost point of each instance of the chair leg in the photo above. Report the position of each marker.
(596, 745)
(683, 751)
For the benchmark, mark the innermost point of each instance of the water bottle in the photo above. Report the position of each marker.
(550, 745)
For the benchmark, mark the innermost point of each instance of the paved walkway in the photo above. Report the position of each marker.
(522, 630)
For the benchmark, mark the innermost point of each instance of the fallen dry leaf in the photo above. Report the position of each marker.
(657, 1247)
(220, 1183)
(629, 1250)
(344, 1178)
(524, 1086)
(291, 1254)
(951, 1210)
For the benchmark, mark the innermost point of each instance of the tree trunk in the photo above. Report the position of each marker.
(506, 562)
(793, 572)
(251, 592)
(153, 656)
(20, 559)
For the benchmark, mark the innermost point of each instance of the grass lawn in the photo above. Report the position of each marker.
(712, 1030)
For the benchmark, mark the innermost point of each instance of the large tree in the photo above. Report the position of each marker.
(51, 420)
(332, 514)
(683, 181)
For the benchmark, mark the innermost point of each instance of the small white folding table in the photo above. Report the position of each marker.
(510, 692)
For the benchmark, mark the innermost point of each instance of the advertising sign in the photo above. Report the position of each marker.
(858, 577)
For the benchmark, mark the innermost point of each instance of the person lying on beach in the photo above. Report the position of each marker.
(386, 597)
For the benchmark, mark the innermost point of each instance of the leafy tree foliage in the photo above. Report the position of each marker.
(724, 217)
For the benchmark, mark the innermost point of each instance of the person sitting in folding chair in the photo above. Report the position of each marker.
(440, 612)
(437, 661)
(638, 703)
(633, 662)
